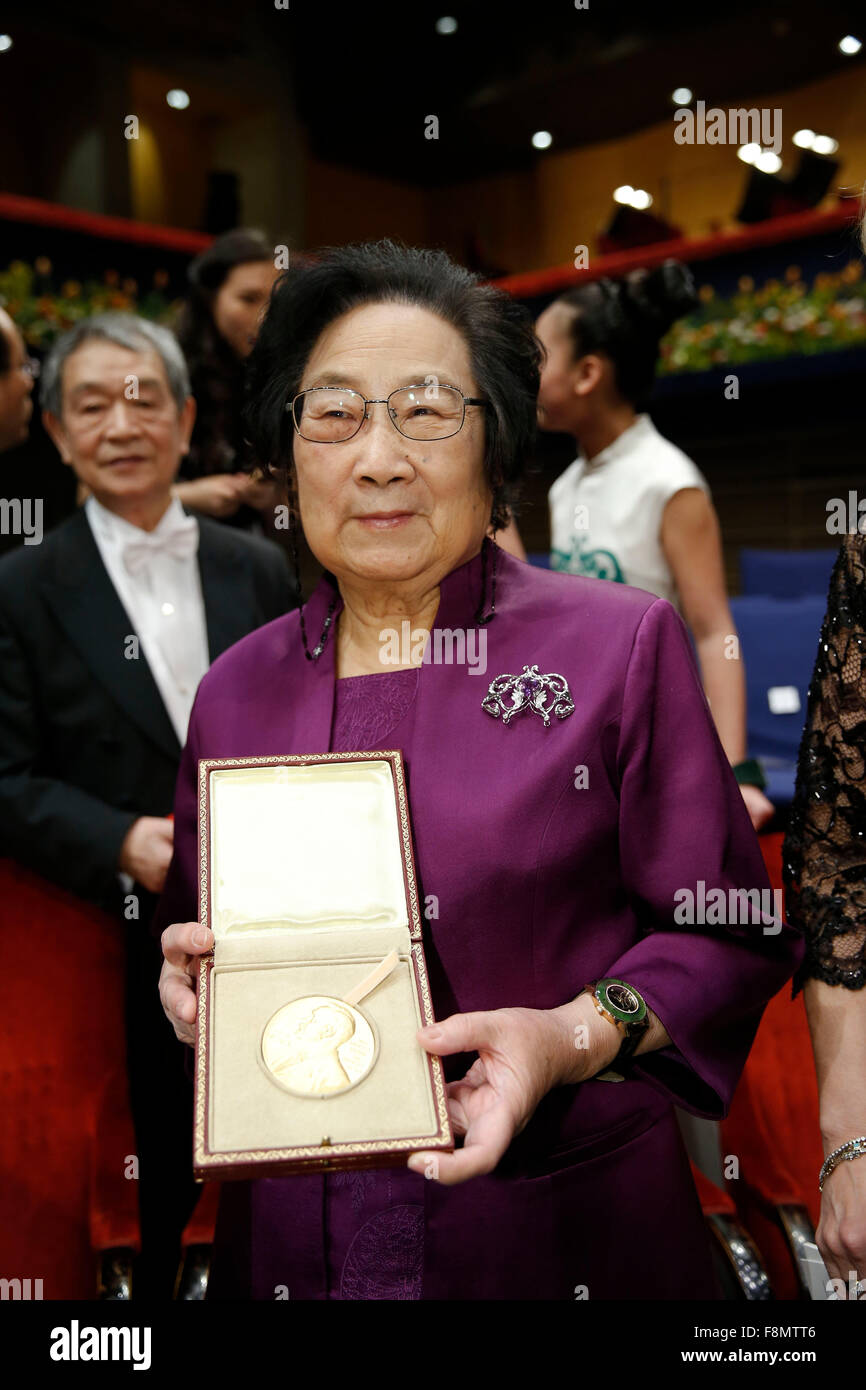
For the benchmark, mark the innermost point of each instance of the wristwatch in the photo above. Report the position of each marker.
(621, 1005)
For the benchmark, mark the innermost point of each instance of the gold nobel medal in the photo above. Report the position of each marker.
(318, 1046)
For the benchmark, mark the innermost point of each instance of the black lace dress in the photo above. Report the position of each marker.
(824, 857)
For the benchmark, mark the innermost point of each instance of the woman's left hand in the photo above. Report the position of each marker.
(520, 1059)
(760, 809)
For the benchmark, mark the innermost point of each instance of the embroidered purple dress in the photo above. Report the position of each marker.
(374, 1222)
(553, 856)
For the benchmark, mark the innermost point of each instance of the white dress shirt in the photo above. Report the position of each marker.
(163, 600)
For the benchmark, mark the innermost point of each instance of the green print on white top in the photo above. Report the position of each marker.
(581, 559)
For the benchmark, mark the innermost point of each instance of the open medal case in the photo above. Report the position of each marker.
(307, 880)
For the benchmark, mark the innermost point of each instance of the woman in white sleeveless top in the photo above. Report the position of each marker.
(632, 507)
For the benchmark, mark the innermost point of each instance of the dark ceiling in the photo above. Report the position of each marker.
(584, 75)
(365, 76)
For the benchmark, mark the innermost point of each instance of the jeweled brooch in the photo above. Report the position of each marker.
(545, 695)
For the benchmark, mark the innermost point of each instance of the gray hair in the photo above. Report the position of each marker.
(126, 330)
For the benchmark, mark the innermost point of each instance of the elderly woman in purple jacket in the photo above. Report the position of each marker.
(581, 843)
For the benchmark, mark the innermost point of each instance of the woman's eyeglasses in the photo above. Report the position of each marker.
(333, 414)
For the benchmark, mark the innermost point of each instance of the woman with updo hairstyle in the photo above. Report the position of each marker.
(229, 285)
(565, 781)
(632, 507)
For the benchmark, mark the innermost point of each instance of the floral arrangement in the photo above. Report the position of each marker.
(42, 312)
(781, 319)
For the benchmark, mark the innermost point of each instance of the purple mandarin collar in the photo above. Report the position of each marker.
(311, 713)
(459, 600)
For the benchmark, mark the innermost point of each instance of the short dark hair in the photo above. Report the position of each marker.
(503, 349)
(626, 320)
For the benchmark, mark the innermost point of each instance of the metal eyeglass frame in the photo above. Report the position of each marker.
(467, 400)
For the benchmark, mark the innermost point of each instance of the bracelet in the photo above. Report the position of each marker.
(748, 773)
(852, 1148)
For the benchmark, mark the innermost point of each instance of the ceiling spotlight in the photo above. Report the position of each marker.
(849, 45)
(637, 198)
(542, 139)
(177, 98)
(446, 25)
(825, 144)
(804, 139)
(749, 154)
(768, 162)
(681, 96)
(5, 42)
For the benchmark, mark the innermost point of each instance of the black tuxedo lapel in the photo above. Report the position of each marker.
(225, 566)
(87, 606)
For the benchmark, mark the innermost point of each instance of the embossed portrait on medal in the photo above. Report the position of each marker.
(318, 1046)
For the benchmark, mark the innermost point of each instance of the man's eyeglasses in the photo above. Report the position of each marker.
(333, 414)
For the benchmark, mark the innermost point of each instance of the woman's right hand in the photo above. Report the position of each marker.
(219, 495)
(182, 944)
(841, 1234)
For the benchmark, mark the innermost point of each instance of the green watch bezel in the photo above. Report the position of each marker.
(626, 1017)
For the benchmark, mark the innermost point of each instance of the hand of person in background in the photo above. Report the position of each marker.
(760, 809)
(218, 495)
(146, 851)
(262, 493)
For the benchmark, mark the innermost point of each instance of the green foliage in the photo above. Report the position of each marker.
(781, 319)
(42, 312)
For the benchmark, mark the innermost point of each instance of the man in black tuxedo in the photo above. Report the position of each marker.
(106, 628)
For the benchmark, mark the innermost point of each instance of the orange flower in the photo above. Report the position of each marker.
(745, 284)
(112, 277)
(42, 265)
(793, 273)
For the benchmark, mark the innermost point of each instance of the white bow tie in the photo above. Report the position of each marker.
(180, 541)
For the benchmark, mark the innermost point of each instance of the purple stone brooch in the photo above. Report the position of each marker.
(509, 695)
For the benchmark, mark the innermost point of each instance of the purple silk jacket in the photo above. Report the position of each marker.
(545, 878)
